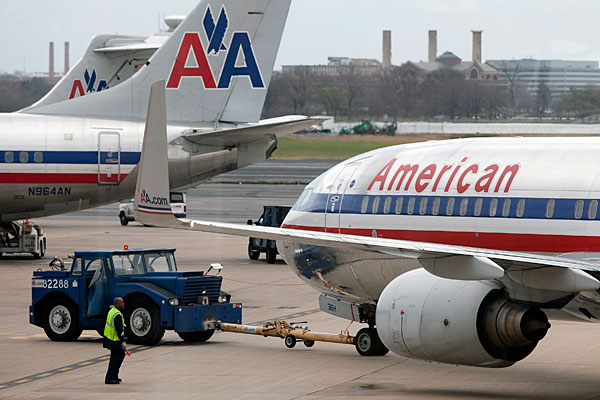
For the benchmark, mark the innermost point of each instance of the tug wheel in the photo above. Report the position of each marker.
(290, 341)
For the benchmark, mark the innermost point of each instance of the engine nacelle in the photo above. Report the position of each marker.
(422, 316)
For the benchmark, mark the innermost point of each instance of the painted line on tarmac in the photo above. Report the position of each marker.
(101, 359)
(62, 370)
(84, 336)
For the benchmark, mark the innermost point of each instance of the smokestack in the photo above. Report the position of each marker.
(66, 57)
(51, 66)
(477, 46)
(387, 49)
(432, 46)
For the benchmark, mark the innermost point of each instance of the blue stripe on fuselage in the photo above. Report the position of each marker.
(68, 157)
(534, 208)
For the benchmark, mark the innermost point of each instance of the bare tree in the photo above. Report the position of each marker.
(443, 93)
(511, 74)
(273, 100)
(542, 100)
(299, 88)
(352, 82)
(332, 97)
(15, 95)
(495, 100)
(400, 89)
(475, 94)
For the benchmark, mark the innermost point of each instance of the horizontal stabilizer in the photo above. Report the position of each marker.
(275, 126)
(129, 48)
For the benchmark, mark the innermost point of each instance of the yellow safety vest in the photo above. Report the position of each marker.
(109, 328)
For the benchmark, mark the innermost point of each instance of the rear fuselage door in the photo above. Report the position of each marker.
(109, 158)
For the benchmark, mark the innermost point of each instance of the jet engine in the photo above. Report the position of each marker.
(422, 316)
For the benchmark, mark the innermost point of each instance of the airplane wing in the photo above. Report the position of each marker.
(151, 207)
(447, 261)
(275, 126)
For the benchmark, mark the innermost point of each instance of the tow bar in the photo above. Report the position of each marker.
(290, 331)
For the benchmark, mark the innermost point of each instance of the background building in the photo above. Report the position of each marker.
(559, 75)
(473, 69)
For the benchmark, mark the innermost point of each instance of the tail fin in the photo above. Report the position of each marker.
(217, 65)
(151, 203)
(102, 67)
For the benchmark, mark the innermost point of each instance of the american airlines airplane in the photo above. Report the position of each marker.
(451, 251)
(109, 60)
(70, 152)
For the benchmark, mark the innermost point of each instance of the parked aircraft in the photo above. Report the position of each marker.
(63, 155)
(452, 251)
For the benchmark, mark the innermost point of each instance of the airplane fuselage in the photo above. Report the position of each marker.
(520, 194)
(51, 165)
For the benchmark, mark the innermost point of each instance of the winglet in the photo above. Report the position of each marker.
(151, 203)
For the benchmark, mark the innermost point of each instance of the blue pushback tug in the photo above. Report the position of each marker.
(157, 296)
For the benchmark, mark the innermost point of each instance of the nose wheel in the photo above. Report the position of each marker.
(368, 344)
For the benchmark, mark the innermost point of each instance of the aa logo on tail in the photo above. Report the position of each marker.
(90, 85)
(239, 48)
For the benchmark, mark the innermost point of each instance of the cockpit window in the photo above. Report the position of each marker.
(304, 198)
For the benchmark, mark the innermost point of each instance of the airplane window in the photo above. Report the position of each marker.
(593, 209)
(478, 206)
(506, 208)
(435, 207)
(464, 206)
(493, 207)
(423, 206)
(375, 206)
(410, 207)
(549, 208)
(521, 208)
(9, 157)
(398, 209)
(23, 157)
(450, 206)
(578, 209)
(38, 156)
(364, 205)
(386, 205)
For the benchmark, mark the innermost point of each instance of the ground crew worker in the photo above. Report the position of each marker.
(114, 340)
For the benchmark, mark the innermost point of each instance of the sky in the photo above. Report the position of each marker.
(316, 29)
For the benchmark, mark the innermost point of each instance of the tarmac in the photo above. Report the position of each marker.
(565, 365)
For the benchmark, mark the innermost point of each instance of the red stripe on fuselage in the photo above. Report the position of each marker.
(38, 178)
(487, 240)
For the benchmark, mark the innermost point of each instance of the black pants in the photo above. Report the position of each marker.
(117, 354)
